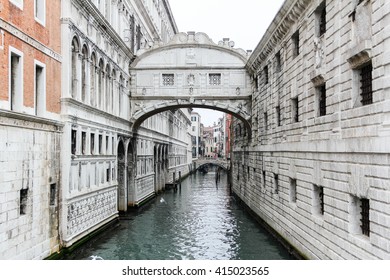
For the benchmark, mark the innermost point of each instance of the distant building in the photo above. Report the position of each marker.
(196, 134)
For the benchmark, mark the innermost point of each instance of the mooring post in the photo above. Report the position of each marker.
(180, 180)
(174, 181)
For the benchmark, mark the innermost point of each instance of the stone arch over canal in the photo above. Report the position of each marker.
(190, 72)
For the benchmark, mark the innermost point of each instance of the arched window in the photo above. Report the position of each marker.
(74, 63)
(101, 83)
(114, 98)
(84, 69)
(92, 73)
(121, 97)
(108, 88)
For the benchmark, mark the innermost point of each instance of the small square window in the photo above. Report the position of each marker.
(214, 79)
(168, 79)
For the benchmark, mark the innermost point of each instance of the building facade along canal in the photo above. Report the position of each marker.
(310, 151)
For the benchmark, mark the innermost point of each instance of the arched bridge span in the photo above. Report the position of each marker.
(190, 71)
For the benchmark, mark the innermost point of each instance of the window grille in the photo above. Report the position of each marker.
(323, 21)
(366, 84)
(168, 79)
(278, 116)
(278, 62)
(365, 216)
(322, 101)
(321, 199)
(295, 39)
(215, 79)
(295, 109)
(23, 201)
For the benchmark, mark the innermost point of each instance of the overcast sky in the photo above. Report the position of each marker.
(243, 21)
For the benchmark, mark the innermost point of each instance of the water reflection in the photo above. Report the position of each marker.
(200, 221)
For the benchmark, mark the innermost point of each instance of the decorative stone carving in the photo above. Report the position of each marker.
(191, 79)
(319, 52)
(87, 212)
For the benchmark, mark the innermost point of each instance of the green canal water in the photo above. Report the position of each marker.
(201, 221)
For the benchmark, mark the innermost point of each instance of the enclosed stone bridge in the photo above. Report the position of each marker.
(190, 72)
(223, 163)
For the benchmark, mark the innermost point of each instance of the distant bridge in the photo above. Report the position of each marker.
(223, 163)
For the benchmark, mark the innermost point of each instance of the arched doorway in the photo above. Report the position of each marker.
(131, 171)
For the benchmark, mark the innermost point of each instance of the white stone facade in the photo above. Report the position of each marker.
(317, 154)
(103, 162)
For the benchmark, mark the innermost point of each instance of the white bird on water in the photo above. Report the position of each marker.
(96, 258)
(162, 200)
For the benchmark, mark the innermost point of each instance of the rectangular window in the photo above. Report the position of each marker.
(214, 79)
(23, 201)
(52, 194)
(108, 173)
(40, 89)
(365, 216)
(318, 200)
(278, 116)
(276, 183)
(278, 62)
(168, 79)
(294, 109)
(366, 84)
(83, 142)
(266, 77)
(264, 178)
(295, 43)
(107, 150)
(17, 3)
(74, 141)
(265, 121)
(321, 96)
(40, 11)
(113, 145)
(100, 144)
(16, 80)
(293, 190)
(321, 19)
(92, 143)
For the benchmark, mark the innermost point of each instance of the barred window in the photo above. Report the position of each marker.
(278, 66)
(266, 77)
(322, 100)
(295, 43)
(322, 19)
(366, 84)
(318, 200)
(215, 79)
(168, 79)
(295, 109)
(365, 216)
(278, 116)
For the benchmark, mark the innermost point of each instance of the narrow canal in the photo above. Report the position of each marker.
(201, 221)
